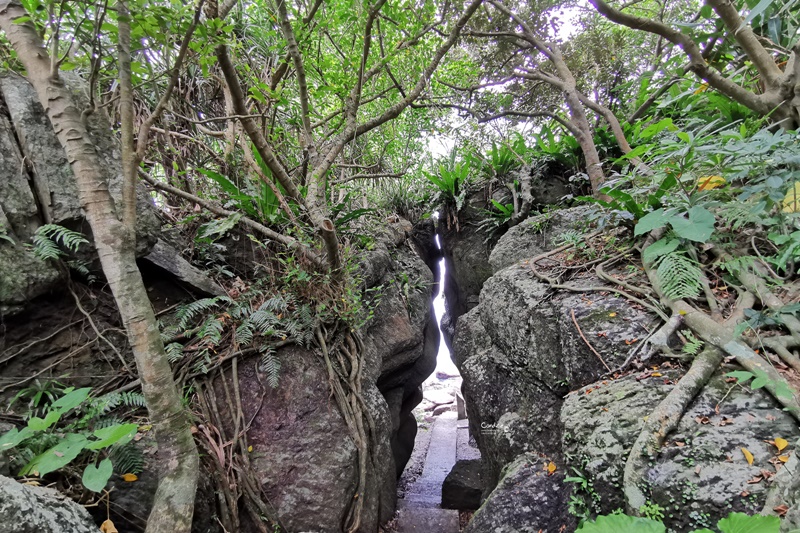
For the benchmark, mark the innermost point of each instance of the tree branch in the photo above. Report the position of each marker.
(697, 63)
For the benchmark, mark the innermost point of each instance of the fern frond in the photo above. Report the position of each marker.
(211, 331)
(679, 276)
(127, 459)
(187, 313)
(48, 237)
(694, 345)
(264, 321)
(174, 351)
(271, 366)
(245, 333)
(735, 265)
(44, 248)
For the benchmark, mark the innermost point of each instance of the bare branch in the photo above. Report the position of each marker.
(697, 63)
(763, 61)
(399, 107)
(302, 84)
(289, 242)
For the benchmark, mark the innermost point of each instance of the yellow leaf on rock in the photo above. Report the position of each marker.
(781, 444)
(130, 477)
(748, 456)
(783, 458)
(108, 527)
(706, 183)
(250, 449)
(791, 203)
(550, 467)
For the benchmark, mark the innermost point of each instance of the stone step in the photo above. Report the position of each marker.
(414, 519)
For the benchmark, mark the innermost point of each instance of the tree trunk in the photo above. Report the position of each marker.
(174, 501)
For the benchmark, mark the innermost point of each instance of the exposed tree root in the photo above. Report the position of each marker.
(721, 339)
(662, 420)
(780, 345)
(344, 376)
(725, 338)
(227, 459)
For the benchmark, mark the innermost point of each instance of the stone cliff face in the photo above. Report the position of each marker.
(37, 187)
(520, 353)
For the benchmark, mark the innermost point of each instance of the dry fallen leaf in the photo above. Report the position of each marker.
(744, 494)
(612, 315)
(783, 458)
(108, 527)
(748, 456)
(756, 479)
(130, 477)
(781, 510)
(550, 467)
(656, 374)
(781, 443)
(680, 444)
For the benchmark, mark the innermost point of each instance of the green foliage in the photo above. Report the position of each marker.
(250, 321)
(451, 180)
(216, 229)
(52, 442)
(733, 523)
(47, 239)
(761, 379)
(652, 511)
(693, 344)
(620, 523)
(508, 156)
(496, 218)
(271, 366)
(679, 276)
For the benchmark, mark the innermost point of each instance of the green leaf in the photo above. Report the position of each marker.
(698, 227)
(14, 437)
(658, 127)
(742, 523)
(95, 477)
(620, 523)
(118, 433)
(71, 399)
(756, 11)
(659, 248)
(39, 424)
(653, 220)
(759, 382)
(742, 375)
(56, 457)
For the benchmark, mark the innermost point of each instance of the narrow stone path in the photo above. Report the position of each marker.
(420, 511)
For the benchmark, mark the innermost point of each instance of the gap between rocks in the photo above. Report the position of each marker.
(435, 491)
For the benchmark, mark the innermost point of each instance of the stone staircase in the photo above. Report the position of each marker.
(420, 511)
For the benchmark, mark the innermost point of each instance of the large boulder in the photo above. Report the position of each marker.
(528, 499)
(463, 487)
(303, 452)
(30, 509)
(701, 474)
(537, 234)
(520, 352)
